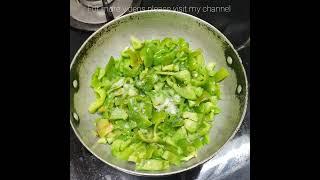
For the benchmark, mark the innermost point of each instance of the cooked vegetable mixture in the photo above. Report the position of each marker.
(157, 102)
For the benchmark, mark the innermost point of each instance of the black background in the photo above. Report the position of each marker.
(35, 128)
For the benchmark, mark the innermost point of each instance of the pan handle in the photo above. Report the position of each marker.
(244, 45)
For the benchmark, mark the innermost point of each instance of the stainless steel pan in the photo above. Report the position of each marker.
(110, 39)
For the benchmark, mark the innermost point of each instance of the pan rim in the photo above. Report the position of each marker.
(136, 173)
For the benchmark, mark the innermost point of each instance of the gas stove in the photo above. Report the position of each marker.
(91, 14)
(233, 161)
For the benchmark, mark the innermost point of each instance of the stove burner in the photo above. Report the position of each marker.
(93, 3)
(92, 14)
